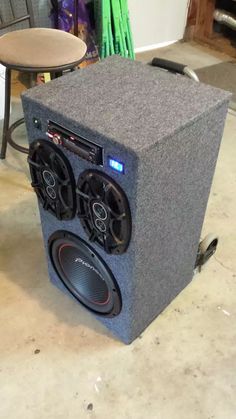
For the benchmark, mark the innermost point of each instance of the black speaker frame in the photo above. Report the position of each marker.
(107, 240)
(53, 205)
(98, 261)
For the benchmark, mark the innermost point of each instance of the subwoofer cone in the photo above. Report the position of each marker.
(84, 274)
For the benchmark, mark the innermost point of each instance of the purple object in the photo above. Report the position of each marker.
(64, 16)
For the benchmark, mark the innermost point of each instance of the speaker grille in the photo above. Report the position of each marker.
(104, 211)
(84, 274)
(52, 179)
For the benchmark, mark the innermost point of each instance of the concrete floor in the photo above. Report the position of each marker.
(57, 361)
(189, 53)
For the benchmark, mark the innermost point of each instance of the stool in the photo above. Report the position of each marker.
(35, 50)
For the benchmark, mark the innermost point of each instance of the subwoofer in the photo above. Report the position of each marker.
(121, 158)
(84, 273)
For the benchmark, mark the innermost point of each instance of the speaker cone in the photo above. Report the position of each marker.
(52, 179)
(84, 274)
(104, 211)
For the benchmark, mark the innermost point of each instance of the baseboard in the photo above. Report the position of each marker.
(154, 46)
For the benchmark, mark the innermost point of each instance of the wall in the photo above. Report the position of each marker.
(153, 21)
(2, 91)
(41, 10)
(157, 21)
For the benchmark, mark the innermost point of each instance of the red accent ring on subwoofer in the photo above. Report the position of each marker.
(85, 275)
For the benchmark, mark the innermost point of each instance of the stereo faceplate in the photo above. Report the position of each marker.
(84, 148)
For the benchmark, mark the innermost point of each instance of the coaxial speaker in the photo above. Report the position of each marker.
(52, 179)
(104, 211)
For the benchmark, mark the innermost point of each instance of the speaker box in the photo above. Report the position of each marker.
(122, 157)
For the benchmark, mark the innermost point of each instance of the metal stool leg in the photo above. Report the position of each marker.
(32, 80)
(8, 130)
(58, 74)
(6, 113)
(10, 140)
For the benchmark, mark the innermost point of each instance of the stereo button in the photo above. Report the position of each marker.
(57, 139)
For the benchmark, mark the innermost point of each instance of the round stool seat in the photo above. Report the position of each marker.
(40, 48)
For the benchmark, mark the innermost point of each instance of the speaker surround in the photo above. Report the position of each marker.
(133, 133)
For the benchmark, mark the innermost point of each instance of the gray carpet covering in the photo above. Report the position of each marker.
(166, 130)
(221, 75)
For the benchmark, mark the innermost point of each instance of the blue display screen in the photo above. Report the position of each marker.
(116, 165)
